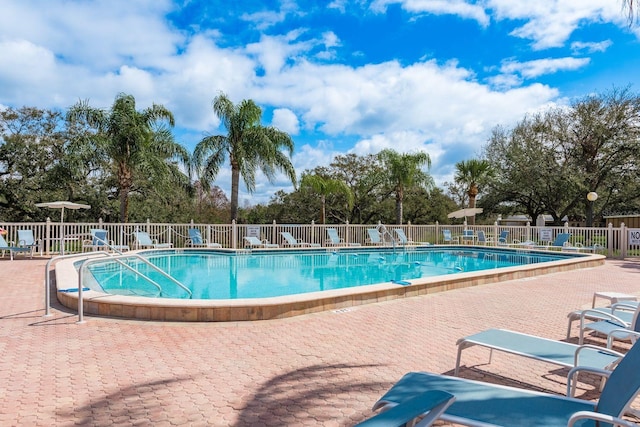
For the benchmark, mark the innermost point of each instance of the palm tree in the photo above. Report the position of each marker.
(404, 171)
(471, 174)
(325, 187)
(248, 145)
(136, 144)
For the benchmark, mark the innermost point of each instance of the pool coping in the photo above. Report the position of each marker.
(185, 310)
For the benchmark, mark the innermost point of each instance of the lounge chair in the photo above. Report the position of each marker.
(613, 326)
(448, 238)
(468, 236)
(375, 238)
(254, 242)
(560, 241)
(623, 311)
(432, 403)
(26, 240)
(4, 246)
(404, 240)
(484, 404)
(545, 350)
(143, 240)
(291, 241)
(502, 238)
(99, 241)
(482, 238)
(195, 240)
(336, 240)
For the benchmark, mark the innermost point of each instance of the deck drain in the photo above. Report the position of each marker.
(342, 310)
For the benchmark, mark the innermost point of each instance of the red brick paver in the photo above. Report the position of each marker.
(325, 369)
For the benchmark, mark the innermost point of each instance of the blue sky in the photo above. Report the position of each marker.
(339, 76)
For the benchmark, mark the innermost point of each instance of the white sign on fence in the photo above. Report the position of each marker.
(546, 234)
(634, 236)
(253, 231)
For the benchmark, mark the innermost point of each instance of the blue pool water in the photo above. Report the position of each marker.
(217, 275)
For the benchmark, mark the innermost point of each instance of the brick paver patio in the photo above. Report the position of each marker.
(325, 369)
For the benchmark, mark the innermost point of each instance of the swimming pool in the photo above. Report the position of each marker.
(243, 307)
(218, 275)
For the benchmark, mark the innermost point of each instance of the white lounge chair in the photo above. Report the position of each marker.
(483, 404)
(195, 240)
(291, 241)
(254, 242)
(143, 240)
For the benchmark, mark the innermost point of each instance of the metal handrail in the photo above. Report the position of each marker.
(47, 280)
(146, 261)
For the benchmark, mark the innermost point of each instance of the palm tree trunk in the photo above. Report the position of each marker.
(235, 180)
(323, 211)
(125, 181)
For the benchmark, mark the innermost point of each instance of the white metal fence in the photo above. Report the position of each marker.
(619, 242)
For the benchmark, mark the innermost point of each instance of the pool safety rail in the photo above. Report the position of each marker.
(116, 256)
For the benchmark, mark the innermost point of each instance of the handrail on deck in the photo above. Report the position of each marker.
(92, 260)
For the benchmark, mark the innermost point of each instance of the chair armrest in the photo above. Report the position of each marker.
(613, 317)
(572, 377)
(581, 415)
(432, 403)
(623, 334)
(576, 359)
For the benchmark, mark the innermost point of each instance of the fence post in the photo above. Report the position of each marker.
(437, 236)
(312, 239)
(609, 240)
(234, 234)
(623, 240)
(346, 234)
(47, 236)
(273, 232)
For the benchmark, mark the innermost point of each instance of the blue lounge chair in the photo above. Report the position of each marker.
(432, 403)
(482, 238)
(559, 242)
(254, 242)
(468, 236)
(613, 326)
(26, 240)
(195, 240)
(375, 238)
(291, 241)
(483, 404)
(97, 242)
(4, 246)
(336, 240)
(542, 349)
(448, 238)
(404, 240)
(143, 240)
(502, 238)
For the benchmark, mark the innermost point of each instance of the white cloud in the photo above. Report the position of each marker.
(591, 47)
(461, 8)
(539, 67)
(549, 23)
(286, 120)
